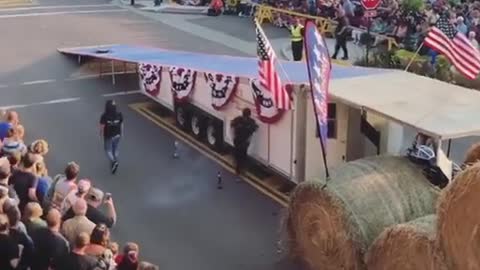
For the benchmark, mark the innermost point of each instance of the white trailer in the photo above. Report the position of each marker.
(371, 111)
(397, 105)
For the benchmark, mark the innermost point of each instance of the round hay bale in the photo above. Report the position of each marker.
(407, 246)
(459, 220)
(332, 227)
(473, 154)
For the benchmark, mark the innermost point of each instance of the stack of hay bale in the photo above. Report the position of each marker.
(380, 213)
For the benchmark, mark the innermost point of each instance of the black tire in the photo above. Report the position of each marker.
(182, 117)
(214, 135)
(197, 125)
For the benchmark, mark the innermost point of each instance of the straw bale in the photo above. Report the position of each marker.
(332, 228)
(473, 154)
(459, 220)
(407, 246)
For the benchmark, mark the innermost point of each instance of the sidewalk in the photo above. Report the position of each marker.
(15, 3)
(234, 32)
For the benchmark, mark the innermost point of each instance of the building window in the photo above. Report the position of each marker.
(331, 121)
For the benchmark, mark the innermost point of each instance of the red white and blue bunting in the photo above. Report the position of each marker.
(223, 88)
(182, 82)
(266, 110)
(151, 78)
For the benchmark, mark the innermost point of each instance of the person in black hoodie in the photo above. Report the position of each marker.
(111, 128)
(243, 128)
(19, 236)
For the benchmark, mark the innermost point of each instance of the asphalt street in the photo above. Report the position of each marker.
(170, 207)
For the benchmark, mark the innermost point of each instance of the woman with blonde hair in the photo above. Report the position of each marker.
(43, 180)
(39, 147)
(32, 217)
(20, 132)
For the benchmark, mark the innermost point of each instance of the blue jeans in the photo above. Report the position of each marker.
(111, 147)
(433, 54)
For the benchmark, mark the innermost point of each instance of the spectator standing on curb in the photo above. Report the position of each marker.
(32, 217)
(473, 40)
(11, 120)
(12, 143)
(297, 32)
(8, 248)
(78, 224)
(19, 235)
(243, 128)
(25, 181)
(43, 180)
(111, 128)
(63, 184)
(49, 244)
(80, 192)
(95, 198)
(98, 248)
(77, 259)
(128, 260)
(5, 173)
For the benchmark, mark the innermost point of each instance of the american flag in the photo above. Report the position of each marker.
(445, 39)
(319, 67)
(269, 78)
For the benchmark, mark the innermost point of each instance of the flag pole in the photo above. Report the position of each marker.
(324, 155)
(413, 57)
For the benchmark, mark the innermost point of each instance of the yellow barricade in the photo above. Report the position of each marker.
(326, 26)
(232, 3)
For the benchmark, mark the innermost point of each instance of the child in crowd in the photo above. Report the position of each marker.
(128, 260)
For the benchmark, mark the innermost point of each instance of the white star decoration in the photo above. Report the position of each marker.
(319, 64)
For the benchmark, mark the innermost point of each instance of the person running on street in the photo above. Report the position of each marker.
(243, 128)
(111, 128)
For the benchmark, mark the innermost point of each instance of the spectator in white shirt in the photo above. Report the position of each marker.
(473, 40)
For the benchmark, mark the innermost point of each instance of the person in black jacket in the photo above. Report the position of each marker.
(342, 32)
(111, 128)
(19, 236)
(243, 128)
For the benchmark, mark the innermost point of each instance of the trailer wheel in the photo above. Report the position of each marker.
(197, 125)
(181, 117)
(214, 135)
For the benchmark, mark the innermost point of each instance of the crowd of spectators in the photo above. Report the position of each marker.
(406, 21)
(53, 224)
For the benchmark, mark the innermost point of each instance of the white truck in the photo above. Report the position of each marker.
(371, 111)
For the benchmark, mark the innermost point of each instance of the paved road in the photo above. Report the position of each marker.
(170, 207)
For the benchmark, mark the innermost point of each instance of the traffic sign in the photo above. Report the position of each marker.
(371, 4)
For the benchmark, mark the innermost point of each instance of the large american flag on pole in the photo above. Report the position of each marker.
(267, 71)
(319, 67)
(445, 39)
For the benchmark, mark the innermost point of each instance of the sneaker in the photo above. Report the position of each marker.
(114, 167)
